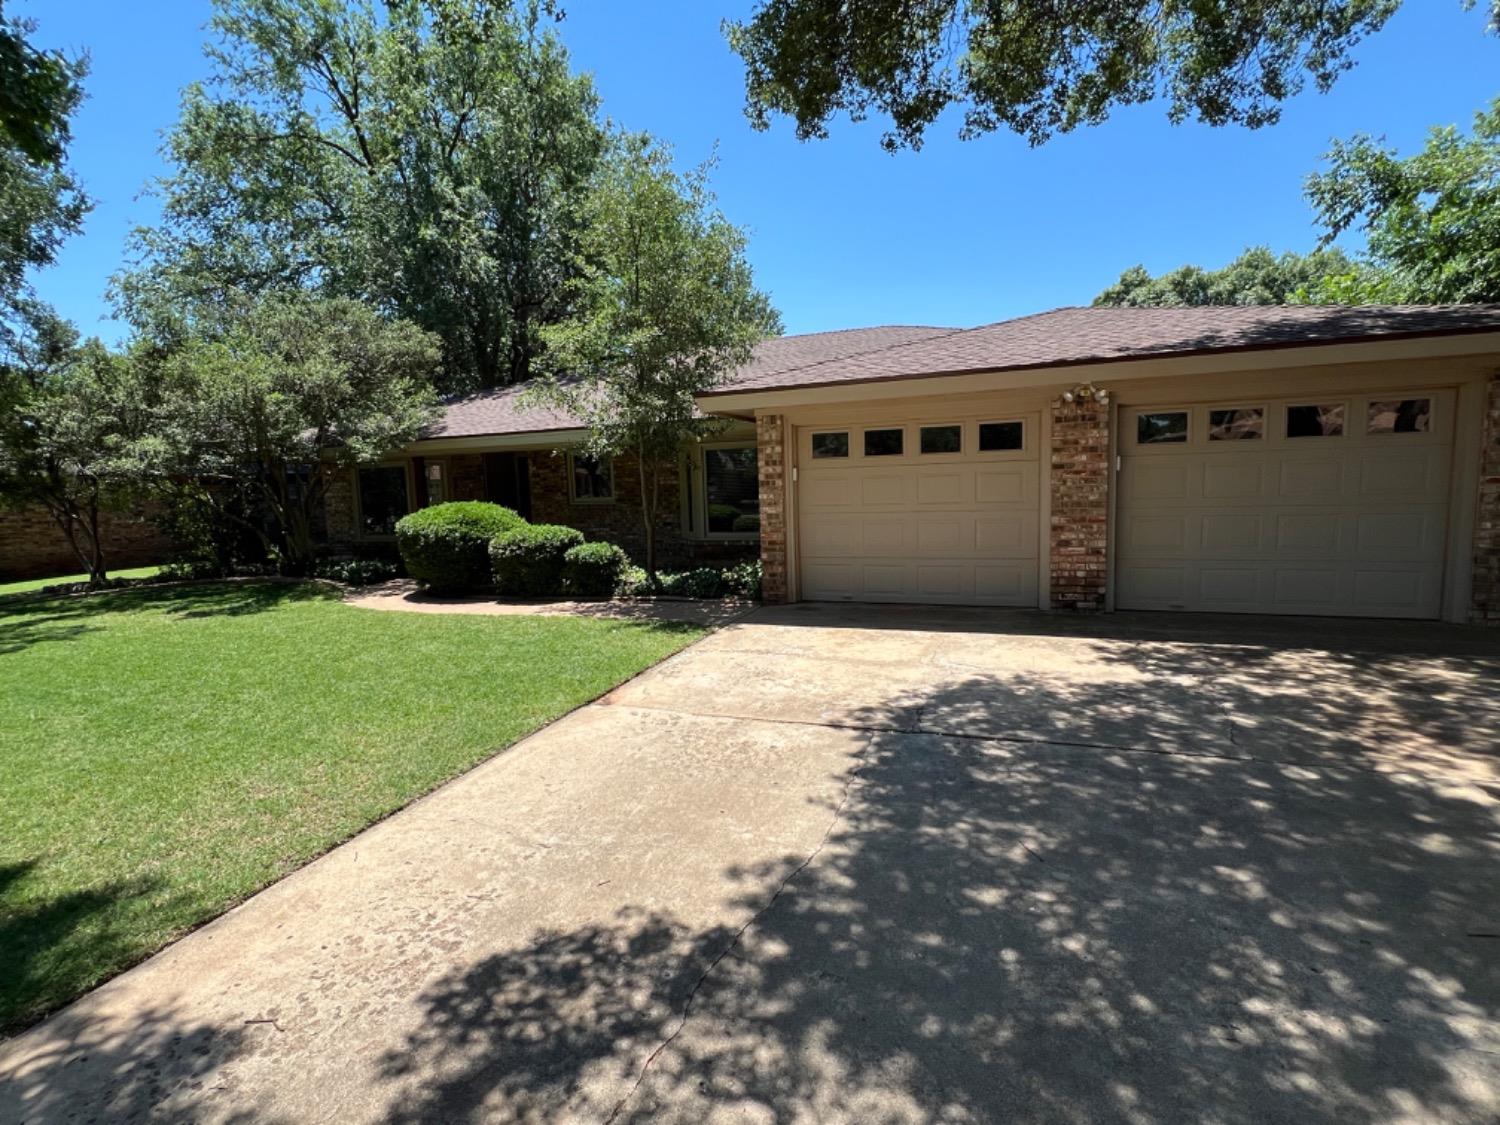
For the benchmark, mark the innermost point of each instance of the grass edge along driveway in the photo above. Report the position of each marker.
(167, 752)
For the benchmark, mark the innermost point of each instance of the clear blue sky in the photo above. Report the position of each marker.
(843, 234)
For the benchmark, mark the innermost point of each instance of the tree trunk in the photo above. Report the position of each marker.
(648, 513)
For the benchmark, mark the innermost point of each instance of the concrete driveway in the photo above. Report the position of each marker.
(882, 865)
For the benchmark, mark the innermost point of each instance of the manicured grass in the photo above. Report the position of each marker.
(31, 584)
(167, 751)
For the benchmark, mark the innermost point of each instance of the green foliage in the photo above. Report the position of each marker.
(528, 561)
(39, 91)
(743, 579)
(280, 397)
(446, 547)
(594, 570)
(69, 418)
(1256, 277)
(1432, 220)
(1039, 69)
(745, 523)
(357, 572)
(667, 309)
(427, 156)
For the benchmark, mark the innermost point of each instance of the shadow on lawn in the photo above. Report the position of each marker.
(26, 620)
(1001, 929)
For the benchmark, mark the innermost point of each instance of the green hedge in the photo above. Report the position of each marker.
(445, 547)
(594, 570)
(528, 561)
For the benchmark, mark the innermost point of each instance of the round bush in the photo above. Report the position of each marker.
(445, 547)
(528, 561)
(594, 570)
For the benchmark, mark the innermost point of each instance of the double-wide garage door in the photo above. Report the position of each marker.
(939, 511)
(1320, 504)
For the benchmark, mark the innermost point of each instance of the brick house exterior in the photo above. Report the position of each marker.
(1486, 602)
(33, 546)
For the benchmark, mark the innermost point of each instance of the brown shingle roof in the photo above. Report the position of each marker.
(1070, 336)
(1060, 338)
(500, 411)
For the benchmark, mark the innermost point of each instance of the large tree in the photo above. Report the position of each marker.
(1431, 220)
(40, 201)
(1040, 68)
(667, 308)
(427, 156)
(70, 415)
(282, 396)
(1256, 277)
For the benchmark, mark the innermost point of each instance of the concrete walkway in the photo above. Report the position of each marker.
(405, 596)
(882, 865)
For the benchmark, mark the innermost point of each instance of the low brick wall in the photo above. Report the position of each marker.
(33, 546)
(1080, 504)
(1485, 607)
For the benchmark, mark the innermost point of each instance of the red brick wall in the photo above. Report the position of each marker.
(32, 545)
(1485, 609)
(1080, 504)
(773, 541)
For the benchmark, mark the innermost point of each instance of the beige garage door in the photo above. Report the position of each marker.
(1321, 504)
(943, 511)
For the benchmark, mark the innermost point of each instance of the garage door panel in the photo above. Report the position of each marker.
(946, 528)
(1352, 524)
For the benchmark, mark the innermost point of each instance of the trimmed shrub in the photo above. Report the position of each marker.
(528, 561)
(357, 572)
(701, 582)
(743, 579)
(445, 547)
(594, 570)
(745, 523)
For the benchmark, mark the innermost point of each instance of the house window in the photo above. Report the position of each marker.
(883, 443)
(731, 491)
(436, 485)
(1399, 416)
(1240, 424)
(1001, 437)
(382, 498)
(942, 439)
(1158, 429)
(1315, 421)
(830, 445)
(593, 478)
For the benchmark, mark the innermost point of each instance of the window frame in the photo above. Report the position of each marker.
(695, 504)
(812, 448)
(573, 497)
(1378, 435)
(981, 451)
(1343, 404)
(1208, 424)
(923, 427)
(877, 428)
(1145, 412)
(359, 503)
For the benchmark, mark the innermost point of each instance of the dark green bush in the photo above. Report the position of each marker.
(745, 523)
(594, 570)
(743, 579)
(446, 547)
(357, 572)
(528, 561)
(700, 582)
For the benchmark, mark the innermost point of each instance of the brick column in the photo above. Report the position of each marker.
(1080, 503)
(1485, 606)
(771, 456)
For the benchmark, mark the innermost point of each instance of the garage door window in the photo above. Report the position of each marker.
(1160, 429)
(1321, 420)
(884, 443)
(942, 439)
(1238, 424)
(1001, 437)
(830, 445)
(1400, 416)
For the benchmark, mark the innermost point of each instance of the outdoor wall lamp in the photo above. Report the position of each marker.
(1086, 392)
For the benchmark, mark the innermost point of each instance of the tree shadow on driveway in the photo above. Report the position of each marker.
(1293, 918)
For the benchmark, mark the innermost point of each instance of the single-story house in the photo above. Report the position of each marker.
(1289, 460)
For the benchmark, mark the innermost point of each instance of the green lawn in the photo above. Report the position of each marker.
(165, 752)
(31, 584)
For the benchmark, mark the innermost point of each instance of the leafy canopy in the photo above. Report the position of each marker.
(427, 156)
(667, 308)
(39, 90)
(1040, 69)
(289, 393)
(1256, 277)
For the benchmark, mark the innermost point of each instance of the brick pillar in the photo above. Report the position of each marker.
(1485, 606)
(771, 455)
(1080, 503)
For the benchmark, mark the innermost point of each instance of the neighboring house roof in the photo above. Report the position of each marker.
(502, 411)
(1060, 338)
(1070, 336)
